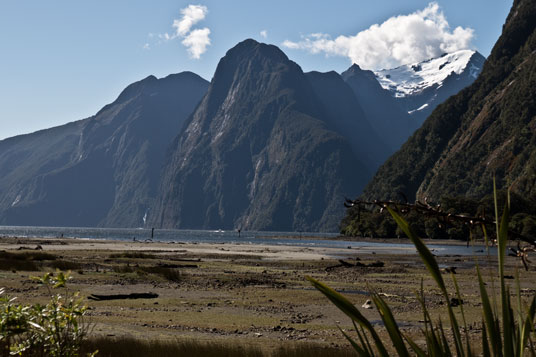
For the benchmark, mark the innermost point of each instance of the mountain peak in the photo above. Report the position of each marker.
(354, 68)
(413, 78)
(250, 48)
(136, 87)
(358, 72)
(185, 75)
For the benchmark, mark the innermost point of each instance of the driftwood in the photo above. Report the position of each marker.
(123, 296)
(177, 266)
(38, 247)
(343, 264)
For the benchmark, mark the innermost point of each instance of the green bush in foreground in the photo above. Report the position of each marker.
(503, 334)
(54, 329)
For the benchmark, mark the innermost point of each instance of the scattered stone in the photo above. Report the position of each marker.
(449, 270)
(367, 305)
(455, 302)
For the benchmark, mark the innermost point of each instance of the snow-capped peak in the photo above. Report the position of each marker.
(412, 78)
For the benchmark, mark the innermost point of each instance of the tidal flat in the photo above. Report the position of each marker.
(248, 295)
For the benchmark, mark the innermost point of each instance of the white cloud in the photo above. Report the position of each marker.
(264, 34)
(190, 16)
(197, 41)
(399, 40)
(146, 46)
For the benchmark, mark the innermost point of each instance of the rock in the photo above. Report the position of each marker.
(367, 305)
(455, 302)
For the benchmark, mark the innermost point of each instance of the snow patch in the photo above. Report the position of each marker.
(17, 200)
(419, 108)
(413, 78)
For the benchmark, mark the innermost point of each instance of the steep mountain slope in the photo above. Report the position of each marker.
(343, 110)
(420, 87)
(384, 113)
(487, 129)
(103, 170)
(259, 153)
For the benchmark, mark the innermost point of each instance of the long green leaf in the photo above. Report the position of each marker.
(446, 347)
(433, 269)
(485, 343)
(455, 331)
(502, 240)
(350, 310)
(490, 326)
(467, 343)
(432, 340)
(527, 325)
(363, 338)
(391, 325)
(418, 351)
(424, 252)
(360, 351)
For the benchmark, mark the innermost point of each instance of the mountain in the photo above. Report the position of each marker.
(342, 108)
(265, 150)
(397, 101)
(100, 171)
(419, 88)
(486, 130)
(384, 113)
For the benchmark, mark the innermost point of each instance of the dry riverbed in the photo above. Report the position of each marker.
(237, 293)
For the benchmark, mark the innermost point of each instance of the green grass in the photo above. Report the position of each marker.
(133, 255)
(170, 274)
(128, 346)
(25, 261)
(64, 265)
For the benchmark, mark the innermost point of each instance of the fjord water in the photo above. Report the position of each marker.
(304, 239)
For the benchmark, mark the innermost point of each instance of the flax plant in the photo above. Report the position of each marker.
(503, 333)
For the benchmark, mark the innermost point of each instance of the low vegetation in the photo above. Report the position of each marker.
(127, 346)
(170, 274)
(54, 329)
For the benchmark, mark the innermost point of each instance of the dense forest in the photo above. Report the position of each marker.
(372, 221)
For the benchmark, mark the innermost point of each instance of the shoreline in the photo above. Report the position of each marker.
(264, 250)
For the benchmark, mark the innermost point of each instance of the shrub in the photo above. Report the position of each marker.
(54, 329)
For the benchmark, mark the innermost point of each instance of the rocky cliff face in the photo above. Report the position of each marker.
(261, 152)
(103, 170)
(487, 130)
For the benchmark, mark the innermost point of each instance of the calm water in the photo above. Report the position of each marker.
(250, 237)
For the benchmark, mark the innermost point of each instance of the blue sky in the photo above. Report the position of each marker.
(62, 60)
